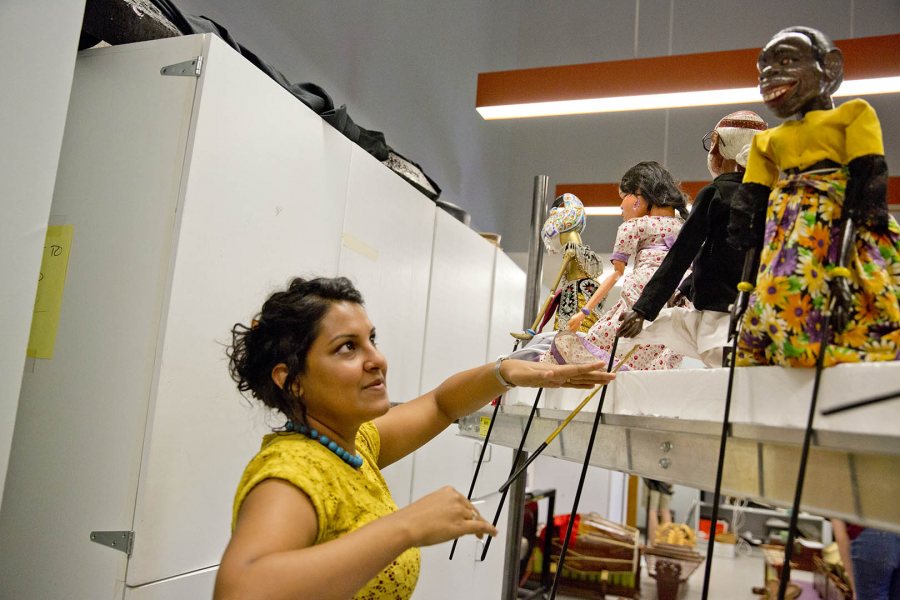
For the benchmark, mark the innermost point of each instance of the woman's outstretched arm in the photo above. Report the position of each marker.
(408, 426)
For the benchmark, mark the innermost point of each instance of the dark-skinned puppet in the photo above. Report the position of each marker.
(700, 331)
(812, 211)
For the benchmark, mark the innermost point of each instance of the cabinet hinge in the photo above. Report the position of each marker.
(123, 541)
(188, 68)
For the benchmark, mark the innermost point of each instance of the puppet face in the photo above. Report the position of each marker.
(566, 215)
(792, 80)
(633, 206)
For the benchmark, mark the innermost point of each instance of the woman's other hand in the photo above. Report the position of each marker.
(442, 516)
(535, 374)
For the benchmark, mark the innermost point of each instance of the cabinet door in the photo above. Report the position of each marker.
(507, 305)
(191, 586)
(386, 251)
(263, 201)
(79, 431)
(456, 338)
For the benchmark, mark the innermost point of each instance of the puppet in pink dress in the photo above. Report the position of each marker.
(645, 242)
(653, 208)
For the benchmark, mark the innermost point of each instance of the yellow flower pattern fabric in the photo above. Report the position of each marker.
(344, 498)
(784, 322)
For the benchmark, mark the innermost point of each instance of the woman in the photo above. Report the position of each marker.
(650, 199)
(813, 204)
(313, 517)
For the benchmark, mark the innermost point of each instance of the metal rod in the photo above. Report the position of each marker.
(510, 590)
(860, 403)
(518, 453)
(564, 424)
(584, 467)
(804, 457)
(720, 467)
(484, 446)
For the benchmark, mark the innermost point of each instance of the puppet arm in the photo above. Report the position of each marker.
(597, 297)
(529, 333)
(865, 202)
(746, 229)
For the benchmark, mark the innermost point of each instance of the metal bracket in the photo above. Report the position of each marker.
(123, 541)
(188, 68)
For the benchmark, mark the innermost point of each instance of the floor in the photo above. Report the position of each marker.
(732, 579)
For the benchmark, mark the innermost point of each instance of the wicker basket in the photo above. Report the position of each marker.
(605, 559)
(671, 566)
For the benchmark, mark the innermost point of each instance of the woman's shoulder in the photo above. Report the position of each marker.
(368, 442)
(285, 452)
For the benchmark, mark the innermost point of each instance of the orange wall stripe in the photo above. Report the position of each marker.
(863, 58)
(607, 194)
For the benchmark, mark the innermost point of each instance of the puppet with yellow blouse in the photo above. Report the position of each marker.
(813, 210)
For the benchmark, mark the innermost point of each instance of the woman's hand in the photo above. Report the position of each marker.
(534, 374)
(442, 516)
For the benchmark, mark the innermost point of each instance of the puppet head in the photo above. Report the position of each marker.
(566, 214)
(730, 139)
(654, 186)
(799, 70)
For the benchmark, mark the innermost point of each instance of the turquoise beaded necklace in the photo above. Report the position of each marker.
(354, 460)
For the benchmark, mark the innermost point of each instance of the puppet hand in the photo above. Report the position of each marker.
(632, 324)
(575, 320)
(536, 374)
(737, 313)
(441, 516)
(677, 299)
(841, 302)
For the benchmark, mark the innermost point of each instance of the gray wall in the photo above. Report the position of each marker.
(408, 68)
(600, 148)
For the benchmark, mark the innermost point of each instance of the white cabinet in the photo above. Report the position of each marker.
(192, 198)
(456, 338)
(386, 251)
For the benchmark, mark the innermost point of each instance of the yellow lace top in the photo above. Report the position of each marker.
(344, 498)
(840, 134)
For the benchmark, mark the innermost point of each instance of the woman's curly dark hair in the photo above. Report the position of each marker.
(282, 333)
(653, 183)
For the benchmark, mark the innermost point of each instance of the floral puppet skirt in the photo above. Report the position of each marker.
(785, 318)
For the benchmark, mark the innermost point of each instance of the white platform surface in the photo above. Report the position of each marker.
(772, 396)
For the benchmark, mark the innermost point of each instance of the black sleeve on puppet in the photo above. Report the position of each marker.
(687, 286)
(865, 200)
(747, 223)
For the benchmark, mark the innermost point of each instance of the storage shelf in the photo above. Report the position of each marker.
(850, 475)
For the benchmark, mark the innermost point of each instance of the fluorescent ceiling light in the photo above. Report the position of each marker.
(881, 85)
(871, 66)
(605, 211)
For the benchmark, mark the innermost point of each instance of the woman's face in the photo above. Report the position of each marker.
(633, 206)
(345, 382)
